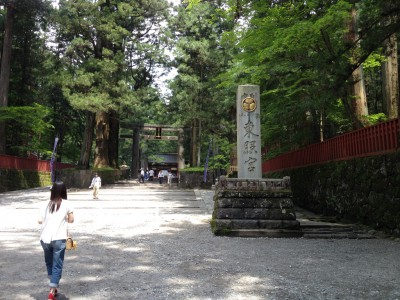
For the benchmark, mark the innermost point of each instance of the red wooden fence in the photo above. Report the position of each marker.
(19, 163)
(378, 139)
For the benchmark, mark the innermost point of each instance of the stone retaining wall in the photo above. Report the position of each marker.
(11, 180)
(195, 179)
(364, 190)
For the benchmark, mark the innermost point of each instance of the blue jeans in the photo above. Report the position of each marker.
(54, 258)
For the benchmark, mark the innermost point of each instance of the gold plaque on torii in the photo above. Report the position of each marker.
(249, 104)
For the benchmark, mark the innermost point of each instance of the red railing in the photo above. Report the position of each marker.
(378, 139)
(19, 163)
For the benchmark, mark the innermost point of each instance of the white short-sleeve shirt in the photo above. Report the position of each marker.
(55, 225)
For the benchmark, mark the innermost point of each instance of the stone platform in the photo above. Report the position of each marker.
(254, 208)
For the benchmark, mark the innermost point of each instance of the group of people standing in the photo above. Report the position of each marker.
(145, 174)
(148, 175)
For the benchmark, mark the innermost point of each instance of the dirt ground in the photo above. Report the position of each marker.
(153, 242)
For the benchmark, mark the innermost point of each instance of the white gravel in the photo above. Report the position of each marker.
(148, 242)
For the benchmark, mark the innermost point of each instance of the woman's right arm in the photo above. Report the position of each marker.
(70, 217)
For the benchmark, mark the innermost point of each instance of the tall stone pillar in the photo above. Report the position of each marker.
(250, 206)
(248, 132)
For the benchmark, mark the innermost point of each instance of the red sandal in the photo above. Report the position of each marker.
(52, 296)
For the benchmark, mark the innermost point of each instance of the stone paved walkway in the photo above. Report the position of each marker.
(153, 242)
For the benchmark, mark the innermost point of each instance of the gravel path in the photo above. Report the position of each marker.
(151, 242)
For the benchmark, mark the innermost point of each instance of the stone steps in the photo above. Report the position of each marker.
(315, 226)
(270, 233)
(332, 231)
(306, 232)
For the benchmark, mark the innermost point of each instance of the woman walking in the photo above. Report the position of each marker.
(54, 217)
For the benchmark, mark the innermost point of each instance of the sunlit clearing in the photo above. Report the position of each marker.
(142, 268)
(180, 281)
(244, 297)
(132, 249)
(213, 260)
(113, 246)
(89, 279)
(247, 284)
(21, 296)
(12, 245)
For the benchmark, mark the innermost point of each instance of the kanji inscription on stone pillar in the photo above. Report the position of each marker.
(248, 131)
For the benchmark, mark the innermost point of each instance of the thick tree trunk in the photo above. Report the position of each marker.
(198, 161)
(86, 148)
(390, 78)
(114, 139)
(102, 126)
(194, 143)
(135, 165)
(357, 94)
(5, 70)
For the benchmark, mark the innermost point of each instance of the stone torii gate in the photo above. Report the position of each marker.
(138, 133)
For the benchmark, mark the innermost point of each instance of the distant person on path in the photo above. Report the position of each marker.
(54, 218)
(151, 175)
(141, 179)
(160, 177)
(170, 176)
(96, 185)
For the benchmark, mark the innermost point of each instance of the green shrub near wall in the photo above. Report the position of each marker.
(11, 180)
(365, 190)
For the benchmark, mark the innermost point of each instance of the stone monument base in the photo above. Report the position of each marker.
(254, 208)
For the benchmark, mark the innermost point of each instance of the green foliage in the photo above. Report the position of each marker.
(219, 162)
(107, 55)
(30, 121)
(373, 61)
(193, 169)
(103, 56)
(201, 54)
(220, 153)
(376, 118)
(300, 55)
(337, 116)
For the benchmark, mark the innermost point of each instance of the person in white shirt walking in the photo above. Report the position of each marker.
(151, 175)
(96, 185)
(170, 176)
(54, 218)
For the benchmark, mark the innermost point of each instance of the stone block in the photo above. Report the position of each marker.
(254, 208)
(224, 202)
(271, 214)
(223, 224)
(274, 224)
(230, 213)
(268, 233)
(253, 194)
(244, 224)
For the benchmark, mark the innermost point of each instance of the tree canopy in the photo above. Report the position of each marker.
(80, 69)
